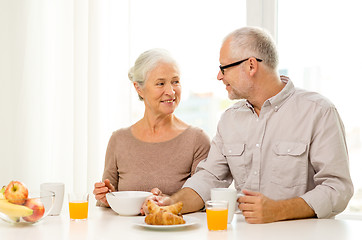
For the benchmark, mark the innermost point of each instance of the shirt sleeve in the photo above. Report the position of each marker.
(110, 165)
(329, 159)
(211, 172)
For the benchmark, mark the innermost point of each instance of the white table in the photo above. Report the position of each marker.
(103, 223)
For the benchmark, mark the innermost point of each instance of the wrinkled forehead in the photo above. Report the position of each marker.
(163, 70)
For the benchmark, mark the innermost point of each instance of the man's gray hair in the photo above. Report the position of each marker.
(253, 42)
(146, 62)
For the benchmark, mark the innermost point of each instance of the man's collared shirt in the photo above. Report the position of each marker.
(296, 147)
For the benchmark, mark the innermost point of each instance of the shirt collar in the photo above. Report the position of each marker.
(278, 100)
(249, 105)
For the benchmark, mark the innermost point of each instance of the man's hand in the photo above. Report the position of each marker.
(192, 202)
(257, 208)
(158, 197)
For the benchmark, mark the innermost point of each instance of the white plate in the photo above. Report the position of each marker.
(189, 221)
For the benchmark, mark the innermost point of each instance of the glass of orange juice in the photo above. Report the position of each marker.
(78, 206)
(217, 215)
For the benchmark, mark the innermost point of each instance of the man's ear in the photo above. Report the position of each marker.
(253, 66)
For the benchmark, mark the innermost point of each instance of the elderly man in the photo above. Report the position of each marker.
(284, 147)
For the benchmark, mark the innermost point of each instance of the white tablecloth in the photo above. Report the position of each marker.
(103, 223)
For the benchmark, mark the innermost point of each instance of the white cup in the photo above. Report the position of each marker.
(58, 189)
(225, 194)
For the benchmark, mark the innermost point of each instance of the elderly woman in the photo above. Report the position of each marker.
(159, 144)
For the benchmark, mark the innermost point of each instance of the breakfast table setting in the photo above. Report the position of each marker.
(104, 223)
(47, 216)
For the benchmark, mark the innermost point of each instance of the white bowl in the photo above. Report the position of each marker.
(127, 203)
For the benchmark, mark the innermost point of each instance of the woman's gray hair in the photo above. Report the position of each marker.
(254, 42)
(146, 62)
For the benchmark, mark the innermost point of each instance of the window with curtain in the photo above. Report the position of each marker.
(64, 85)
(320, 48)
(193, 32)
(60, 91)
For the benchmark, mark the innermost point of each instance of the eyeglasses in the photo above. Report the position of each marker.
(235, 64)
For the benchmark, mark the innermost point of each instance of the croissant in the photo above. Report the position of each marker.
(174, 209)
(164, 218)
(164, 215)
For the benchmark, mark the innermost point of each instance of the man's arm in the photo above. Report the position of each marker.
(257, 208)
(192, 201)
(329, 158)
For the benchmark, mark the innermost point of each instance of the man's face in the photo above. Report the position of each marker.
(234, 78)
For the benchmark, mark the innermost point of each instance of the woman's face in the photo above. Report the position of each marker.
(162, 89)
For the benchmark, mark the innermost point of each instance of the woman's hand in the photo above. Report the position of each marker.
(101, 189)
(158, 197)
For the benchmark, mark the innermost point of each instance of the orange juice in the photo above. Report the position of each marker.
(217, 219)
(78, 210)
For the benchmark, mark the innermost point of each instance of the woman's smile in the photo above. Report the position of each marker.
(169, 100)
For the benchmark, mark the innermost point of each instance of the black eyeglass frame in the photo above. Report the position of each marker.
(236, 63)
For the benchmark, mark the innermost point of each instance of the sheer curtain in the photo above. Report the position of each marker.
(63, 76)
(55, 68)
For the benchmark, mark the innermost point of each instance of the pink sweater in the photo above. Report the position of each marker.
(131, 164)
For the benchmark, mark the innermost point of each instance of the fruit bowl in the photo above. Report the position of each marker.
(31, 210)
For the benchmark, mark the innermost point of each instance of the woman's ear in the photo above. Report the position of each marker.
(138, 89)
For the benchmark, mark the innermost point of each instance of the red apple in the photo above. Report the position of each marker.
(38, 209)
(16, 192)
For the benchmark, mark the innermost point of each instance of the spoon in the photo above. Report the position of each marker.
(109, 190)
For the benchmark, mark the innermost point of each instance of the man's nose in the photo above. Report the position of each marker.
(220, 76)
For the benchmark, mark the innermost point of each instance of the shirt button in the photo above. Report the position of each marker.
(255, 172)
(257, 145)
(288, 150)
(276, 108)
(230, 151)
